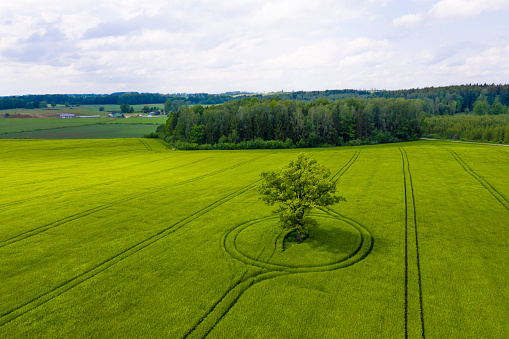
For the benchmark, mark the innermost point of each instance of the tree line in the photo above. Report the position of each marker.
(482, 128)
(449, 100)
(277, 123)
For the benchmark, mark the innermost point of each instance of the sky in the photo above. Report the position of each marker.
(193, 46)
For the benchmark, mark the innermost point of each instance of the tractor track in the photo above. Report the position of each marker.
(82, 214)
(266, 273)
(409, 194)
(17, 202)
(492, 190)
(347, 165)
(58, 290)
(17, 186)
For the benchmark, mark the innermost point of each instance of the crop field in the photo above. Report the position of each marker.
(127, 238)
(78, 110)
(77, 128)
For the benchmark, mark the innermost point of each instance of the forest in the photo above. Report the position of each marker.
(448, 100)
(277, 123)
(484, 128)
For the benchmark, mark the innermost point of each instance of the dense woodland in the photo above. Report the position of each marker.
(485, 128)
(274, 122)
(277, 123)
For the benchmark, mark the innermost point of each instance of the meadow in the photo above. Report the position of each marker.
(77, 128)
(127, 238)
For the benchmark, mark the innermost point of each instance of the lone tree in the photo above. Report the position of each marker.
(297, 188)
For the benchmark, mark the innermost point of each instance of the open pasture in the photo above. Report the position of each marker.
(126, 238)
(78, 128)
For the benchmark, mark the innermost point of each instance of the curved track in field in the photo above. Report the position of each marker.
(265, 270)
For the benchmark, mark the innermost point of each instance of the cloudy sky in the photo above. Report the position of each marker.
(105, 46)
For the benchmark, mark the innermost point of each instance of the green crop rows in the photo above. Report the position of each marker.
(127, 238)
(77, 128)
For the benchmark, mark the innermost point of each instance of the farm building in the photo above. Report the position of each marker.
(118, 115)
(67, 115)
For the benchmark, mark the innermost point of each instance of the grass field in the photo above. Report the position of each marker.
(78, 110)
(125, 238)
(77, 128)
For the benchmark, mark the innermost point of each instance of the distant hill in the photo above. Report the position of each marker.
(448, 99)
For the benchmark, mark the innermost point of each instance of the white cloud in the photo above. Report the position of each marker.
(445, 9)
(171, 46)
(408, 21)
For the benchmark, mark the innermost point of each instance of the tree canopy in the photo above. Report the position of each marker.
(298, 188)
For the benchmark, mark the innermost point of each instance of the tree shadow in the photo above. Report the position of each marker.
(333, 240)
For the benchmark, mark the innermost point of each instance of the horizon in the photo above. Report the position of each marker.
(258, 93)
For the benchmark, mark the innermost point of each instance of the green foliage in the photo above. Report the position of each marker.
(125, 108)
(197, 134)
(310, 124)
(486, 128)
(298, 188)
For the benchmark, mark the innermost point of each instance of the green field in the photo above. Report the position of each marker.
(78, 110)
(77, 128)
(126, 238)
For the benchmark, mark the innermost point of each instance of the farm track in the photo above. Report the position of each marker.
(347, 166)
(16, 312)
(504, 153)
(17, 202)
(43, 228)
(492, 190)
(146, 144)
(17, 186)
(247, 280)
(414, 315)
(201, 329)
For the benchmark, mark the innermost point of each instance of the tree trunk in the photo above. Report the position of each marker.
(299, 236)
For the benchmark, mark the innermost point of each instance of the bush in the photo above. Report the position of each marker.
(151, 135)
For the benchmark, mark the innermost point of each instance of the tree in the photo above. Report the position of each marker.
(481, 106)
(299, 187)
(125, 108)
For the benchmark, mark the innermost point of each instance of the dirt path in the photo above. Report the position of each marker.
(465, 142)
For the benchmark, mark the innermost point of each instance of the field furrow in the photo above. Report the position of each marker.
(493, 191)
(414, 316)
(123, 238)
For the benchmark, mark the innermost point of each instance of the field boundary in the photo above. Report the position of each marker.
(492, 190)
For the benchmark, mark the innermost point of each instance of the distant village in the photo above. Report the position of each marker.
(110, 115)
